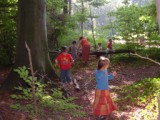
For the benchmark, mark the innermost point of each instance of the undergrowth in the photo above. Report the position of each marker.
(142, 94)
(50, 103)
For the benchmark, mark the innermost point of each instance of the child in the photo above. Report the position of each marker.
(99, 47)
(109, 45)
(103, 104)
(74, 50)
(64, 60)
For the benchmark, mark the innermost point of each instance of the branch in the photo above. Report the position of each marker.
(135, 54)
(33, 79)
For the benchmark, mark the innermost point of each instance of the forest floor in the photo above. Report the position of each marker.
(127, 74)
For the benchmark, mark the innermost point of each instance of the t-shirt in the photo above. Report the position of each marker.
(74, 52)
(64, 61)
(102, 78)
(109, 45)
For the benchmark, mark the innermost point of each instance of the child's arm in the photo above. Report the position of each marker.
(112, 75)
(56, 61)
(72, 61)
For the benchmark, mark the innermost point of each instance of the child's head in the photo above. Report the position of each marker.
(81, 37)
(103, 63)
(110, 40)
(74, 42)
(64, 49)
(99, 44)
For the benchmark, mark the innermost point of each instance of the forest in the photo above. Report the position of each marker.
(57, 59)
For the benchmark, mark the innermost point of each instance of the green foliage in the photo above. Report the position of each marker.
(152, 53)
(61, 27)
(143, 93)
(133, 23)
(8, 14)
(97, 3)
(55, 102)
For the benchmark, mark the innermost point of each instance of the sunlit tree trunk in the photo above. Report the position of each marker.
(31, 28)
(158, 12)
(70, 7)
(82, 29)
(92, 27)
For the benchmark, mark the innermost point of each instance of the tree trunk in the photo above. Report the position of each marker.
(82, 4)
(92, 27)
(31, 28)
(65, 8)
(158, 13)
(70, 7)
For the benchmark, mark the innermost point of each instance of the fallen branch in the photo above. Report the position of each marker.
(135, 54)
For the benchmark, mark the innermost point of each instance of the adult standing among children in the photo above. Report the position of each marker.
(85, 45)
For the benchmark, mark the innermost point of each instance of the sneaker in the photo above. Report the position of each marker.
(102, 117)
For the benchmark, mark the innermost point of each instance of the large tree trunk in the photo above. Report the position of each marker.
(32, 29)
(158, 13)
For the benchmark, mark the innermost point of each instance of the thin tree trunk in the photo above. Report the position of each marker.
(158, 13)
(33, 80)
(70, 7)
(65, 8)
(82, 4)
(92, 27)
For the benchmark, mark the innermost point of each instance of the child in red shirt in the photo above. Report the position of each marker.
(64, 60)
(109, 45)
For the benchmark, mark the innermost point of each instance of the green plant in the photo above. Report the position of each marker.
(143, 93)
(54, 103)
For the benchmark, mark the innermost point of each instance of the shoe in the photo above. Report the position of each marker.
(102, 117)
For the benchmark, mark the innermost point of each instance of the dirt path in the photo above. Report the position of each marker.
(85, 78)
(128, 75)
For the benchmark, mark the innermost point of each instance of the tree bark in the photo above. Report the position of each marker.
(65, 8)
(70, 7)
(82, 4)
(92, 27)
(158, 13)
(31, 28)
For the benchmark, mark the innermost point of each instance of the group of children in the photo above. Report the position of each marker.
(103, 104)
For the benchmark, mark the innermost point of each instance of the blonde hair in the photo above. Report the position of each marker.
(103, 61)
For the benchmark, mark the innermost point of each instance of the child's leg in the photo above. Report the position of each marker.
(68, 78)
(62, 76)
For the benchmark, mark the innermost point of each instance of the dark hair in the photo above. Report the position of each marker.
(64, 49)
(74, 42)
(103, 61)
(99, 43)
(81, 37)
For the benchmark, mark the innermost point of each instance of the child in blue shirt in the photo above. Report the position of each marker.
(103, 104)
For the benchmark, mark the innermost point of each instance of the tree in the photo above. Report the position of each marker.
(158, 12)
(133, 22)
(8, 12)
(32, 30)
